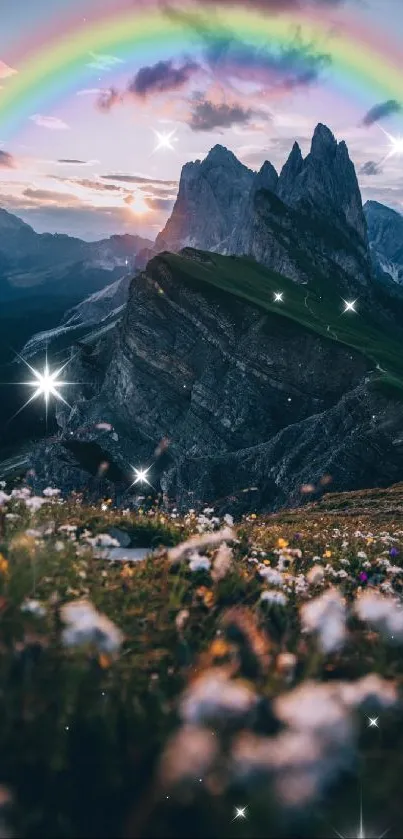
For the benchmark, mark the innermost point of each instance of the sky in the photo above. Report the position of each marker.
(91, 160)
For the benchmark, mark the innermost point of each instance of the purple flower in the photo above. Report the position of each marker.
(297, 535)
(363, 577)
(394, 552)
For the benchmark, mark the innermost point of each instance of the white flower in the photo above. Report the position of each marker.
(382, 613)
(214, 697)
(224, 535)
(85, 625)
(362, 555)
(199, 563)
(315, 575)
(181, 619)
(276, 597)
(326, 615)
(22, 493)
(189, 753)
(49, 492)
(4, 498)
(35, 503)
(228, 520)
(222, 562)
(271, 575)
(34, 607)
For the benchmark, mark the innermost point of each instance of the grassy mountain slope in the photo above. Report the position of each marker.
(313, 307)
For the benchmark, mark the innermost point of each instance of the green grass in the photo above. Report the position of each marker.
(82, 734)
(313, 307)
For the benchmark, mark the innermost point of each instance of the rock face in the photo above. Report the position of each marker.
(102, 308)
(308, 219)
(385, 233)
(247, 400)
(211, 193)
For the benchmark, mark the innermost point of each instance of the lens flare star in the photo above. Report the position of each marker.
(373, 722)
(361, 830)
(164, 140)
(141, 476)
(395, 145)
(240, 813)
(47, 383)
(278, 297)
(349, 305)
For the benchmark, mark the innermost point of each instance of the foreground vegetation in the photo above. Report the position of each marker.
(240, 671)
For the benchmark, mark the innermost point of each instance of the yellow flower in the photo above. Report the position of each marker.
(127, 572)
(282, 543)
(104, 661)
(208, 598)
(219, 648)
(3, 565)
(327, 554)
(252, 516)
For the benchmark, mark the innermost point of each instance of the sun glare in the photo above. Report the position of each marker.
(138, 205)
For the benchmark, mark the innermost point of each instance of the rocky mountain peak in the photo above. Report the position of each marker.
(266, 178)
(324, 143)
(290, 171)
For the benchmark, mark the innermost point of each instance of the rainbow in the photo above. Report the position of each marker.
(364, 63)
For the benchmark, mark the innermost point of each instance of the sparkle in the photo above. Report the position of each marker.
(360, 834)
(395, 144)
(164, 140)
(373, 722)
(278, 297)
(240, 813)
(349, 305)
(141, 476)
(45, 382)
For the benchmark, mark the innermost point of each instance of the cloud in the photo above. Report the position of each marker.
(54, 123)
(103, 62)
(162, 77)
(108, 99)
(73, 160)
(206, 116)
(370, 168)
(163, 204)
(292, 65)
(7, 161)
(381, 110)
(138, 179)
(89, 91)
(6, 71)
(87, 183)
(47, 196)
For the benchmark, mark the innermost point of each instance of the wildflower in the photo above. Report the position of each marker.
(50, 493)
(285, 664)
(228, 520)
(4, 498)
(85, 625)
(363, 577)
(213, 697)
(381, 612)
(188, 754)
(34, 607)
(393, 552)
(326, 616)
(219, 648)
(35, 503)
(315, 575)
(198, 562)
(181, 619)
(276, 597)
(3, 565)
(362, 555)
(282, 543)
(327, 554)
(271, 576)
(224, 535)
(127, 571)
(222, 563)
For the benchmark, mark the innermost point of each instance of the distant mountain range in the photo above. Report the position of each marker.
(253, 396)
(54, 264)
(385, 233)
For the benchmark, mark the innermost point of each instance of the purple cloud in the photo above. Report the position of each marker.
(161, 77)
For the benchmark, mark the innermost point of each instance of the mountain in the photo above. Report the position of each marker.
(102, 308)
(44, 263)
(210, 197)
(385, 233)
(250, 395)
(229, 394)
(308, 218)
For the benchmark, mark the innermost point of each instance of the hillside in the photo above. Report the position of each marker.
(255, 655)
